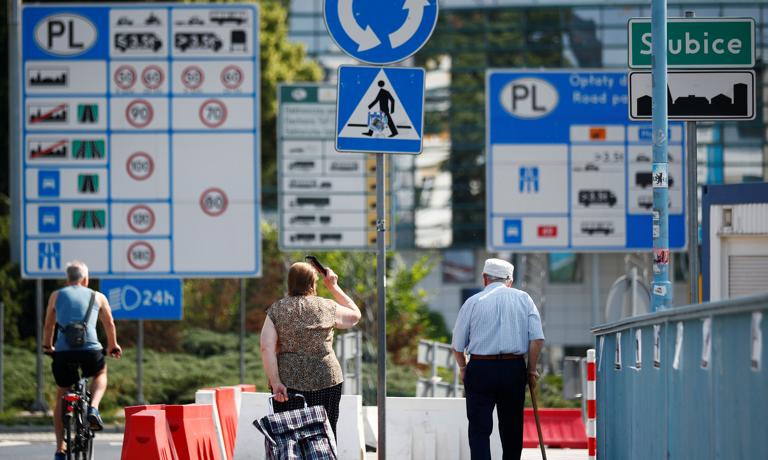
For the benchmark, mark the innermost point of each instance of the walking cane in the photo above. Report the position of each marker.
(538, 423)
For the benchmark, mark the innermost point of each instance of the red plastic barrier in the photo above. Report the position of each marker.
(193, 431)
(560, 428)
(227, 407)
(247, 388)
(146, 437)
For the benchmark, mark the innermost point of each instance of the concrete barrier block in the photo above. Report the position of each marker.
(250, 442)
(431, 429)
(209, 397)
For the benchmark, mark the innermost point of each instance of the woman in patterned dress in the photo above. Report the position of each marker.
(297, 342)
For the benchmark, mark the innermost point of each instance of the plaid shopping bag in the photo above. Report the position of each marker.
(299, 434)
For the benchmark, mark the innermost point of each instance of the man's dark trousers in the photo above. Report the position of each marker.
(500, 383)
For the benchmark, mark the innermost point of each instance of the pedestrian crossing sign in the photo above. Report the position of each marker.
(380, 110)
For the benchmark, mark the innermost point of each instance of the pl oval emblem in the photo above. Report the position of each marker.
(529, 98)
(65, 34)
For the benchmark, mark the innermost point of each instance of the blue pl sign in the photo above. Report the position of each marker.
(567, 171)
(380, 32)
(380, 110)
(144, 299)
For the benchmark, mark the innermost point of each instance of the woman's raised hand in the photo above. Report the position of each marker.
(331, 279)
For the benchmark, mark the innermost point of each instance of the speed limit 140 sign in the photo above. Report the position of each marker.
(140, 141)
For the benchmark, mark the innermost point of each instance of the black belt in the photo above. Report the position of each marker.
(500, 356)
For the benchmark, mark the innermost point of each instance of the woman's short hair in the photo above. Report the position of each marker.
(301, 279)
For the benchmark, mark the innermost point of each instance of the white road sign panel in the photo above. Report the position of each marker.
(697, 95)
(326, 198)
(141, 139)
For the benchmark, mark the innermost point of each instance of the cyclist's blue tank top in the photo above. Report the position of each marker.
(71, 306)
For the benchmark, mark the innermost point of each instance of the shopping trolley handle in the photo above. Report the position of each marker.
(290, 396)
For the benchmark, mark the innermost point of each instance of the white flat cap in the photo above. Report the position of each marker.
(498, 268)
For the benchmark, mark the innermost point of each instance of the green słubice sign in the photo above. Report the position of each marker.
(696, 43)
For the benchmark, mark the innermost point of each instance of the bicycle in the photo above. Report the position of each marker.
(77, 430)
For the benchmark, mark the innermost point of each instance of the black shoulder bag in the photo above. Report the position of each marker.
(74, 333)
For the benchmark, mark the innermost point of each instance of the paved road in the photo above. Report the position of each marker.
(39, 446)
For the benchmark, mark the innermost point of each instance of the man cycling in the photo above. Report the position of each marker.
(70, 305)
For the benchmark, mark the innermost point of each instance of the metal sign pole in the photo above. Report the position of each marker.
(242, 330)
(693, 210)
(381, 317)
(140, 363)
(661, 296)
(39, 404)
(693, 203)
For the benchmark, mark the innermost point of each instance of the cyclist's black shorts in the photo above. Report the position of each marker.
(66, 365)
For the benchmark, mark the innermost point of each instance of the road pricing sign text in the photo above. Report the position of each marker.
(326, 198)
(697, 95)
(380, 32)
(567, 171)
(380, 110)
(140, 151)
(144, 299)
(696, 43)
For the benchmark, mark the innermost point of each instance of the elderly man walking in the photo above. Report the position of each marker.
(496, 328)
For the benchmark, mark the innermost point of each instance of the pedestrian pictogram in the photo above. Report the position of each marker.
(48, 255)
(48, 184)
(141, 218)
(140, 166)
(89, 219)
(213, 113)
(48, 219)
(139, 113)
(125, 77)
(214, 201)
(380, 110)
(152, 77)
(232, 77)
(380, 32)
(88, 113)
(88, 183)
(192, 77)
(87, 149)
(141, 255)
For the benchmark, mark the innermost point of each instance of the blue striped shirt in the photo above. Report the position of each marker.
(497, 320)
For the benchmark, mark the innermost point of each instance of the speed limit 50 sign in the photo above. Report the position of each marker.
(140, 150)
